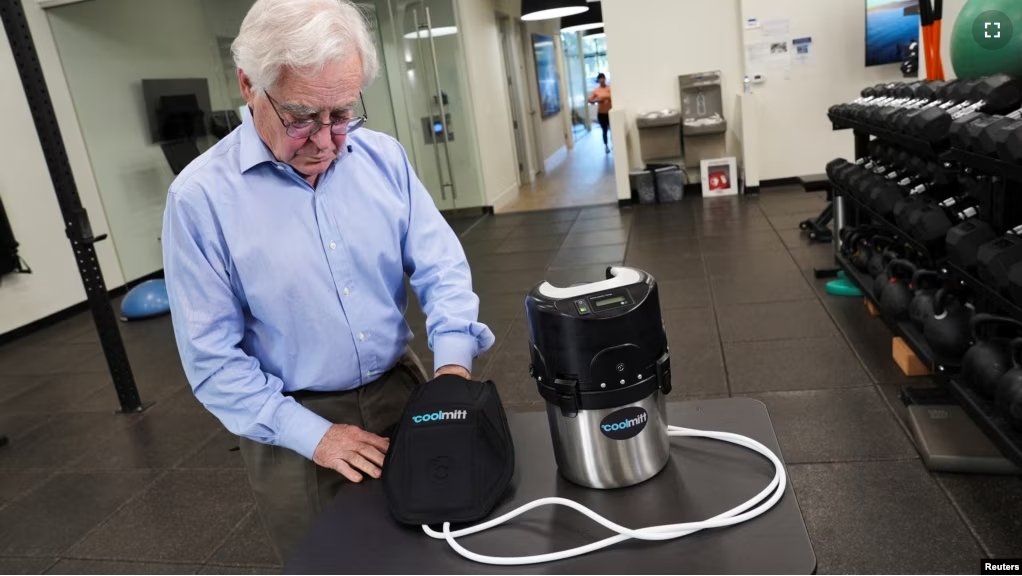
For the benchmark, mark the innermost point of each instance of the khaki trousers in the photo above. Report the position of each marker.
(291, 491)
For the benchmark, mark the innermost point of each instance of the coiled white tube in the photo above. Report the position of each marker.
(754, 507)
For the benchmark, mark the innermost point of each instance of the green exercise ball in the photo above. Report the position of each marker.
(969, 57)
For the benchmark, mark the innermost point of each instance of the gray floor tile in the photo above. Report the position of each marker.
(530, 244)
(499, 306)
(690, 327)
(606, 211)
(807, 204)
(835, 426)
(689, 293)
(792, 221)
(220, 451)
(621, 221)
(60, 512)
(548, 229)
(58, 393)
(990, 505)
(478, 248)
(17, 426)
(851, 317)
(697, 371)
(15, 484)
(185, 517)
(663, 246)
(564, 277)
(71, 566)
(575, 257)
(213, 569)
(774, 321)
(508, 262)
(597, 238)
(504, 282)
(64, 438)
(882, 518)
(781, 287)
(750, 264)
(493, 234)
(876, 358)
(25, 565)
(795, 239)
(746, 243)
(668, 267)
(779, 365)
(817, 257)
(716, 228)
(52, 359)
(248, 545)
(183, 400)
(158, 441)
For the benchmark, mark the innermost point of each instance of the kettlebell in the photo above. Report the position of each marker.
(990, 357)
(947, 328)
(924, 283)
(881, 280)
(1009, 388)
(877, 262)
(897, 295)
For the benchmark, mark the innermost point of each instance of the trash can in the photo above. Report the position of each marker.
(670, 184)
(643, 186)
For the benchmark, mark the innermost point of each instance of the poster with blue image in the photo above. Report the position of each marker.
(546, 75)
(891, 25)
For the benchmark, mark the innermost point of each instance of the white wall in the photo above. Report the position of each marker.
(793, 135)
(651, 43)
(29, 198)
(477, 21)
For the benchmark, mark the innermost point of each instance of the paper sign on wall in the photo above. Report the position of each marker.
(803, 53)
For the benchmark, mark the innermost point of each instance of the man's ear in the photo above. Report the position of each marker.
(247, 90)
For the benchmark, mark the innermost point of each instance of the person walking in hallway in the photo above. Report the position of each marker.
(601, 97)
(286, 247)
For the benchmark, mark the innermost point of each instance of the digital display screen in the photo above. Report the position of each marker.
(604, 302)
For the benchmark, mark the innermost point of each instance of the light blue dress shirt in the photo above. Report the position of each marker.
(277, 287)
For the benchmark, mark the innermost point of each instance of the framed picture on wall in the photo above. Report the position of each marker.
(546, 75)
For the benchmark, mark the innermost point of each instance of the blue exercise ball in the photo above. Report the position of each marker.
(146, 300)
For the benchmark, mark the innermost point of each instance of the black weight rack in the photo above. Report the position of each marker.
(982, 411)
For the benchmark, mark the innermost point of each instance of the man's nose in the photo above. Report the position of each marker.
(323, 139)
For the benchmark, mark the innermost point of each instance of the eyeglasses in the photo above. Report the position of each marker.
(307, 128)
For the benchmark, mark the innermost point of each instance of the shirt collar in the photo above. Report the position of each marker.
(255, 152)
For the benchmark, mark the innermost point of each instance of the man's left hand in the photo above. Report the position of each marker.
(456, 370)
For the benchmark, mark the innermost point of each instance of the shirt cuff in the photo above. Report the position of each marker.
(453, 348)
(302, 430)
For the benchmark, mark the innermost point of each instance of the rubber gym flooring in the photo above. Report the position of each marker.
(85, 491)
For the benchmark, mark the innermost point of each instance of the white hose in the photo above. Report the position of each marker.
(734, 516)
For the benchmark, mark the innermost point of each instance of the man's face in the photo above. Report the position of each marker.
(330, 95)
(603, 81)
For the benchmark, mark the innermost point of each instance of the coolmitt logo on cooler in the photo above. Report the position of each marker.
(625, 423)
(440, 415)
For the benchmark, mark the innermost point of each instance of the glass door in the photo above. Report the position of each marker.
(425, 42)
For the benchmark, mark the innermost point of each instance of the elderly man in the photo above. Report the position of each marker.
(286, 247)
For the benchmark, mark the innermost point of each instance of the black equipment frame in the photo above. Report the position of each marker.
(76, 220)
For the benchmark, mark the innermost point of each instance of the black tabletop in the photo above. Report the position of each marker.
(356, 533)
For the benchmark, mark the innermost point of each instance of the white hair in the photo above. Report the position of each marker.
(305, 35)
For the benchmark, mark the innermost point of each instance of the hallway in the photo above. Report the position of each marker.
(583, 176)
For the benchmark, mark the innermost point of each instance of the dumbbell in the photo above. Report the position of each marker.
(948, 95)
(996, 94)
(984, 134)
(865, 96)
(1015, 283)
(912, 96)
(995, 259)
(930, 224)
(1008, 141)
(964, 240)
(883, 95)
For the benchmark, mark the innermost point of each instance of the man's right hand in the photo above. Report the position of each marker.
(349, 449)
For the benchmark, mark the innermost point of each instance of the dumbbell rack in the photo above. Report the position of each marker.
(944, 371)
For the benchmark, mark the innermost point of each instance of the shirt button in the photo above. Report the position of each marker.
(279, 167)
(369, 373)
(361, 336)
(333, 245)
(346, 291)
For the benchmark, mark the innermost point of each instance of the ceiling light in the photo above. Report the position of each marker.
(593, 18)
(437, 32)
(548, 9)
